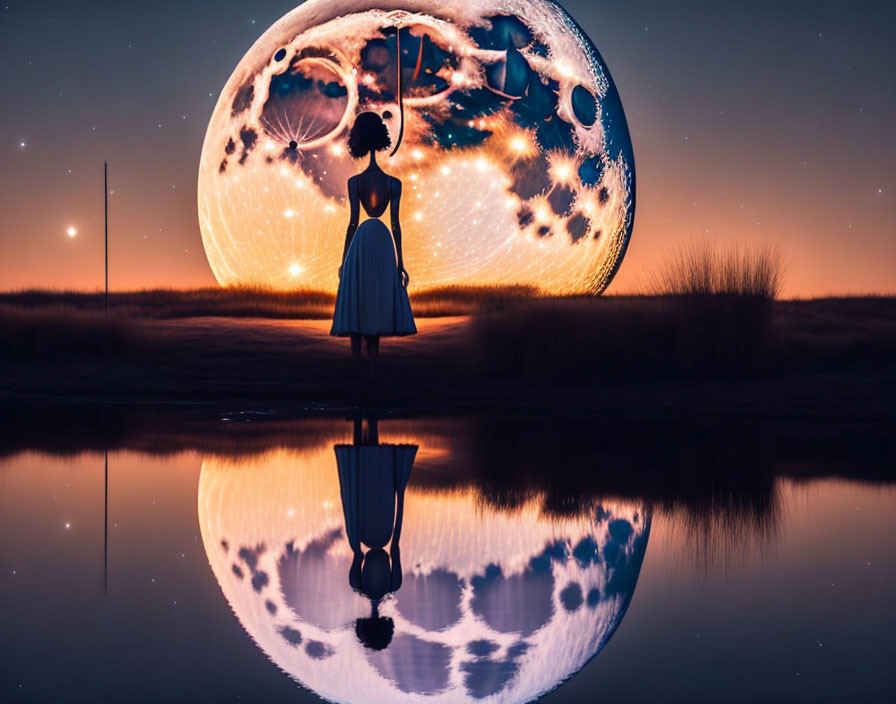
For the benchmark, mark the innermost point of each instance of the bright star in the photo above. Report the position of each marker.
(71, 232)
(561, 168)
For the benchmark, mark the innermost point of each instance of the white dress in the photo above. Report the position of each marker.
(371, 299)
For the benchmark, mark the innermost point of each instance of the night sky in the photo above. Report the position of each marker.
(752, 122)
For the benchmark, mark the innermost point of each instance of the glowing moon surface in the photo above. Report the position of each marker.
(516, 160)
(494, 604)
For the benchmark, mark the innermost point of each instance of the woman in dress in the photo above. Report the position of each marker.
(372, 300)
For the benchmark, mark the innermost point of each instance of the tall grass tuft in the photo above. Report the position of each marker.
(723, 302)
(702, 268)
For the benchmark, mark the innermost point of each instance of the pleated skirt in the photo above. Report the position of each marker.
(371, 299)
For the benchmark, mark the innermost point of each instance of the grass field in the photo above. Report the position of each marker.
(709, 323)
(236, 302)
(831, 357)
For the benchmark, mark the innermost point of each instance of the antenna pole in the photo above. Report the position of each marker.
(106, 531)
(106, 210)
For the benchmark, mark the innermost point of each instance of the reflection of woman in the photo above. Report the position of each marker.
(372, 298)
(372, 480)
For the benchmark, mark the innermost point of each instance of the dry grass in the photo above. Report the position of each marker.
(703, 269)
(234, 302)
(60, 333)
(254, 302)
(721, 322)
(556, 338)
(723, 301)
(707, 312)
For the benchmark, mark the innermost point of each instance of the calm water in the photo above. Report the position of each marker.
(457, 560)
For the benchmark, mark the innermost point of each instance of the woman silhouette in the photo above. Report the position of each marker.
(372, 482)
(372, 300)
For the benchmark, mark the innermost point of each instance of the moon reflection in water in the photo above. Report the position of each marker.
(504, 604)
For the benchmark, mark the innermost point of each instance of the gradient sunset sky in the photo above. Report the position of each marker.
(752, 122)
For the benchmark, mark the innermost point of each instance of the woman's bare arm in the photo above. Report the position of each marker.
(353, 218)
(396, 226)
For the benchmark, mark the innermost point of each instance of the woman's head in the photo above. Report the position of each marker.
(369, 134)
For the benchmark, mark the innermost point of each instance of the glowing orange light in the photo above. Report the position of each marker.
(521, 145)
(562, 169)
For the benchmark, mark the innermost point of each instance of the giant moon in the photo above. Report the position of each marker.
(516, 158)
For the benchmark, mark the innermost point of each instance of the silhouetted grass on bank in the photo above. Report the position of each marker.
(703, 269)
(256, 302)
(707, 312)
(723, 301)
(40, 326)
(556, 338)
(60, 333)
(232, 302)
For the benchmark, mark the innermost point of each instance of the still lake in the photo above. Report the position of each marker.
(257, 558)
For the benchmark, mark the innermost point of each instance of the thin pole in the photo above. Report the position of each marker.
(106, 209)
(106, 531)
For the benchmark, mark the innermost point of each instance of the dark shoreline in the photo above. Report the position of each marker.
(826, 360)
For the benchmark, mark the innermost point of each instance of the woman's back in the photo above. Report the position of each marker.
(374, 189)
